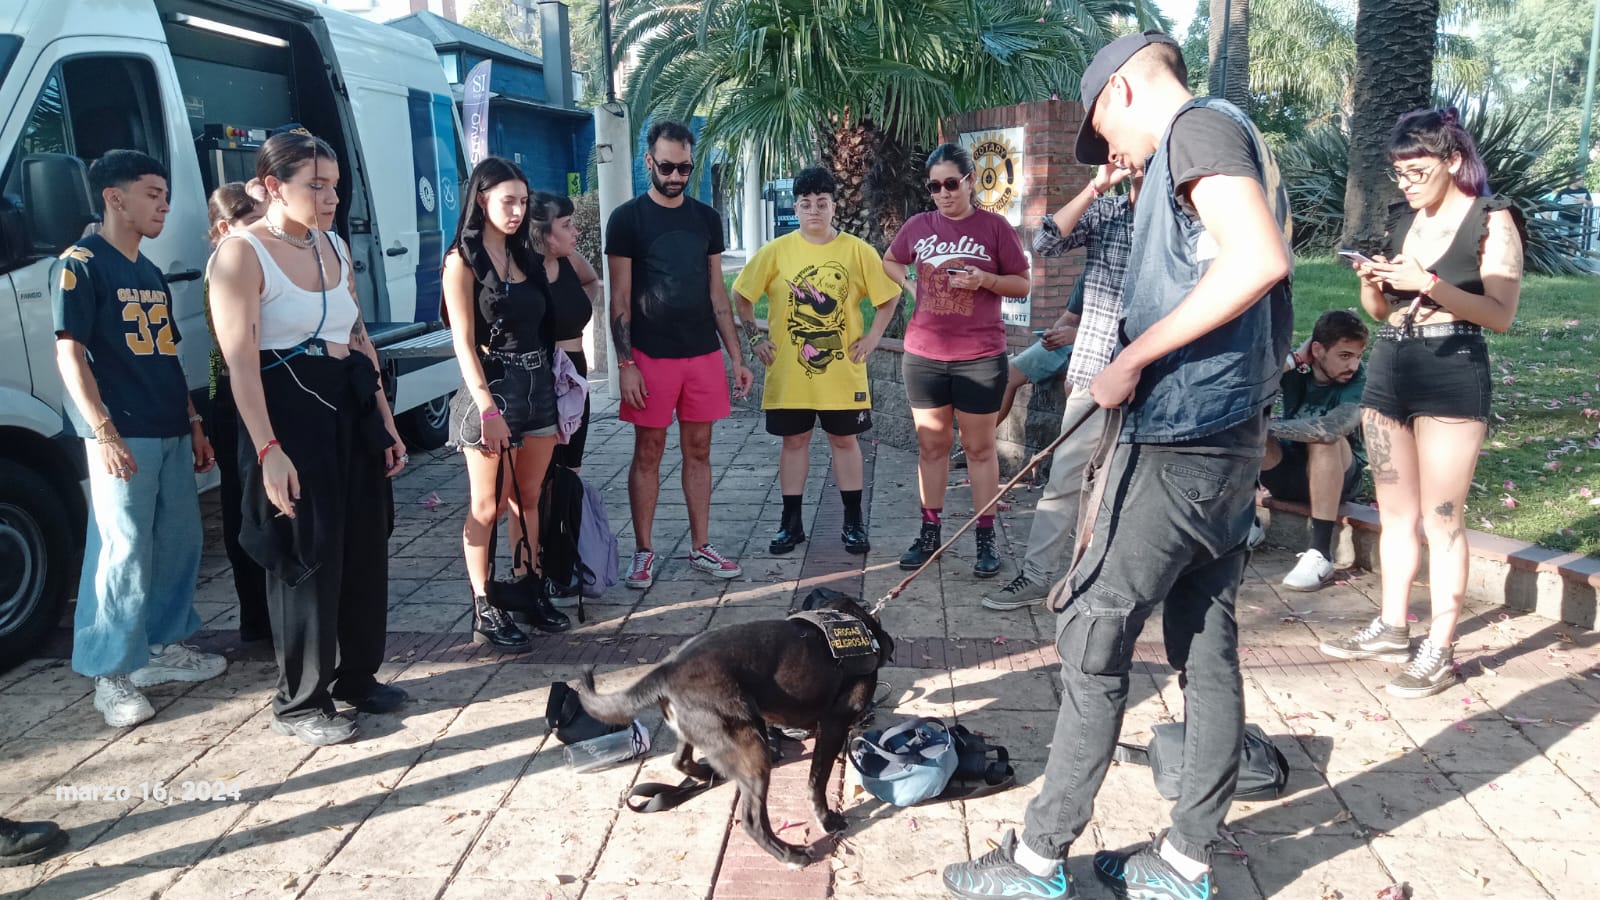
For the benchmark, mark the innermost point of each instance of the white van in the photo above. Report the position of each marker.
(198, 84)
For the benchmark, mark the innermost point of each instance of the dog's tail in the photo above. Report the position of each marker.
(619, 707)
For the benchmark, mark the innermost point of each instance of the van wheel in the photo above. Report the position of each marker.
(428, 426)
(35, 554)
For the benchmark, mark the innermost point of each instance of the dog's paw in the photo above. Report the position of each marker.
(834, 822)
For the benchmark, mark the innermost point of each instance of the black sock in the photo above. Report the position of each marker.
(852, 502)
(1322, 537)
(791, 505)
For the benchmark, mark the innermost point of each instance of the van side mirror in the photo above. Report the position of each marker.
(56, 200)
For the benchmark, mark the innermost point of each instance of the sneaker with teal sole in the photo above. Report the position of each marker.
(1144, 875)
(997, 874)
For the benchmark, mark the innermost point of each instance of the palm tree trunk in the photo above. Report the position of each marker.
(1395, 40)
(1230, 20)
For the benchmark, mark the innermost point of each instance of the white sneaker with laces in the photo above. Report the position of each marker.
(1310, 573)
(178, 662)
(707, 559)
(120, 702)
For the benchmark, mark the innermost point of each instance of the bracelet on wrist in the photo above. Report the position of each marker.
(624, 363)
(492, 412)
(1433, 282)
(1095, 189)
(261, 455)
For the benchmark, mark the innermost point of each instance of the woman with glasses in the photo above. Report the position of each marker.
(1451, 267)
(955, 346)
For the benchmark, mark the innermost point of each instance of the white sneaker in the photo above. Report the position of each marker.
(178, 662)
(120, 702)
(707, 559)
(1310, 573)
(1258, 535)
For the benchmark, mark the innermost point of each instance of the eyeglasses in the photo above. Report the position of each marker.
(949, 184)
(1411, 176)
(667, 168)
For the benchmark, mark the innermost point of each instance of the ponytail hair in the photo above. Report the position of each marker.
(1438, 133)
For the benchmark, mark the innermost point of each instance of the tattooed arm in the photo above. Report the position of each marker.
(1501, 270)
(1324, 429)
(630, 384)
(743, 378)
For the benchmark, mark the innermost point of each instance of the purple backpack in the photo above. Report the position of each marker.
(597, 546)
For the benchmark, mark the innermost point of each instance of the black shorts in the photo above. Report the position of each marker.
(1287, 480)
(970, 385)
(837, 422)
(1439, 377)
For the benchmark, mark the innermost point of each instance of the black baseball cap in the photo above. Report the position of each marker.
(1092, 149)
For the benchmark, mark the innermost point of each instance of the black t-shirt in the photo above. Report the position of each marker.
(1206, 142)
(670, 249)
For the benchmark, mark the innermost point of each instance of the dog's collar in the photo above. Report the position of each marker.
(847, 636)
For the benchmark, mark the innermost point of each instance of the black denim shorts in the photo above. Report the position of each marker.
(1439, 377)
(970, 385)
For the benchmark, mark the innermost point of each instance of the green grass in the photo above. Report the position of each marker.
(1543, 452)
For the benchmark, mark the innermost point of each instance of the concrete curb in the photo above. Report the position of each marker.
(1553, 584)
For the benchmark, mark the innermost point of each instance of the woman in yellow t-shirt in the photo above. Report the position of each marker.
(815, 351)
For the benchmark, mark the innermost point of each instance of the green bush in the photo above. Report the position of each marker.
(1316, 165)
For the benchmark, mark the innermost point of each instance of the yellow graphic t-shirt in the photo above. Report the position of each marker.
(814, 296)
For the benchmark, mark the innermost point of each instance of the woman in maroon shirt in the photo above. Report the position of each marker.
(955, 361)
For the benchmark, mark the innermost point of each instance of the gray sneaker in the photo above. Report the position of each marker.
(1021, 592)
(1432, 670)
(318, 730)
(1378, 641)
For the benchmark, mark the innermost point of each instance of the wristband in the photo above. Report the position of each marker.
(261, 455)
(195, 419)
(1095, 189)
(492, 412)
(1433, 282)
(624, 363)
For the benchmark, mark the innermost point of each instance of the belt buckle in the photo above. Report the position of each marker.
(316, 348)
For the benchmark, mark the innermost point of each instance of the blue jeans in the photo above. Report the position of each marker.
(141, 558)
(1171, 532)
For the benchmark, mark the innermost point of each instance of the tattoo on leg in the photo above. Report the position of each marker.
(1455, 535)
(1445, 510)
(1380, 452)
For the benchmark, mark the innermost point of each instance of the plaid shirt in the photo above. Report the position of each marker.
(1106, 231)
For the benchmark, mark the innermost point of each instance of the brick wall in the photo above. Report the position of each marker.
(1051, 175)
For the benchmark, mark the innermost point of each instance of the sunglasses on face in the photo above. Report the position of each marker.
(667, 168)
(949, 184)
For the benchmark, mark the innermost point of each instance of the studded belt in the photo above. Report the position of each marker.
(1444, 329)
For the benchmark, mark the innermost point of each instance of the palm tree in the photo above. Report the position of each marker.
(860, 83)
(1395, 42)
(1229, 54)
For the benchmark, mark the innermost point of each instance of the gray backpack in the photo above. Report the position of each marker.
(1263, 769)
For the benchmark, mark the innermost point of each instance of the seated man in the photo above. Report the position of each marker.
(1046, 357)
(1315, 452)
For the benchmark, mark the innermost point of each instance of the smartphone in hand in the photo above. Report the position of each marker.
(955, 270)
(1356, 258)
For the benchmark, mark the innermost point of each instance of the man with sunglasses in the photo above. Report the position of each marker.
(1206, 322)
(669, 310)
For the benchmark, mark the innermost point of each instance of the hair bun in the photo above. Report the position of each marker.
(1450, 116)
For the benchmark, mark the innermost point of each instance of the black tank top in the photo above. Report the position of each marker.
(570, 309)
(521, 318)
(1461, 263)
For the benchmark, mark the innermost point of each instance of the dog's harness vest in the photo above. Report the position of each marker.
(848, 638)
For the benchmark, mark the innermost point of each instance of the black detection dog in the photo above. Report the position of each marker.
(722, 689)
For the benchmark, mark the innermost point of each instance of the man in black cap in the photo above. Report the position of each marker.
(1206, 321)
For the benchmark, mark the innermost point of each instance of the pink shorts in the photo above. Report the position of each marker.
(696, 388)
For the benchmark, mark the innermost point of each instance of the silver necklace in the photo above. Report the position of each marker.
(308, 241)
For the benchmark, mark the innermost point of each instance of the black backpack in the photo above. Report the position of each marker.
(568, 720)
(560, 522)
(1263, 769)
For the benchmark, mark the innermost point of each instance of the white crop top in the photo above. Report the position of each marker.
(289, 313)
